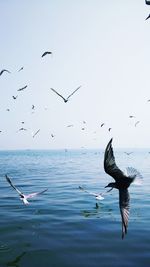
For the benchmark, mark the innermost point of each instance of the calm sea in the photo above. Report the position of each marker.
(63, 227)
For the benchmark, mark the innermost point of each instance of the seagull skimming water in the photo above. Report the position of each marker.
(122, 182)
(24, 197)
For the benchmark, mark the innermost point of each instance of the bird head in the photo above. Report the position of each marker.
(112, 185)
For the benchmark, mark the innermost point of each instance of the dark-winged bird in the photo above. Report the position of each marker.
(20, 69)
(24, 197)
(1, 72)
(122, 182)
(65, 99)
(14, 97)
(46, 53)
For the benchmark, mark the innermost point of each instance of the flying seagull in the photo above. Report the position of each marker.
(46, 53)
(21, 89)
(4, 70)
(14, 97)
(98, 196)
(65, 99)
(128, 153)
(24, 197)
(131, 116)
(122, 182)
(102, 124)
(147, 17)
(20, 69)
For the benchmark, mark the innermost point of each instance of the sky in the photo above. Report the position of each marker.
(102, 46)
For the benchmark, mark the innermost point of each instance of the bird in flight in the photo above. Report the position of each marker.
(65, 99)
(21, 89)
(147, 17)
(102, 124)
(128, 153)
(98, 196)
(122, 182)
(4, 70)
(24, 197)
(131, 116)
(14, 97)
(20, 69)
(46, 53)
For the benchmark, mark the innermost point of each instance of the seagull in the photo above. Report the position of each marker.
(122, 182)
(21, 89)
(24, 197)
(131, 116)
(109, 129)
(33, 107)
(52, 135)
(65, 99)
(35, 133)
(102, 124)
(70, 125)
(20, 69)
(14, 97)
(22, 129)
(98, 196)
(128, 153)
(4, 70)
(46, 53)
(148, 17)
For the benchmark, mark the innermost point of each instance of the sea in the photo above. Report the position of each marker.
(63, 227)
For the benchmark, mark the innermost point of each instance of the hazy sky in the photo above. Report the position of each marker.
(102, 45)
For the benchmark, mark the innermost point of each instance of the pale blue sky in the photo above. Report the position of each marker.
(102, 45)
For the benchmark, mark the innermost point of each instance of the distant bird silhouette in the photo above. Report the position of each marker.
(70, 125)
(148, 17)
(24, 197)
(136, 123)
(65, 99)
(21, 69)
(102, 124)
(35, 133)
(33, 107)
(52, 135)
(7, 109)
(122, 182)
(131, 116)
(109, 129)
(46, 53)
(4, 70)
(14, 97)
(23, 88)
(22, 129)
(128, 153)
(147, 2)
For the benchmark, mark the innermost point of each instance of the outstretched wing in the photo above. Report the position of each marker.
(46, 53)
(5, 71)
(73, 92)
(35, 194)
(10, 182)
(36, 133)
(58, 94)
(124, 199)
(110, 166)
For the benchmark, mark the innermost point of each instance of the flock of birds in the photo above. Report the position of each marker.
(122, 182)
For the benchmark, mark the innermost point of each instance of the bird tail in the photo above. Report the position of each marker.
(136, 175)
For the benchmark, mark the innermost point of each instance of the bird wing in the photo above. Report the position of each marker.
(58, 94)
(10, 182)
(124, 199)
(3, 71)
(147, 17)
(110, 166)
(73, 92)
(35, 194)
(21, 89)
(46, 53)
(147, 2)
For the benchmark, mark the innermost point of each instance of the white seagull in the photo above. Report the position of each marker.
(24, 197)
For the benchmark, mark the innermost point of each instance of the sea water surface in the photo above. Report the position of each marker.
(63, 227)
